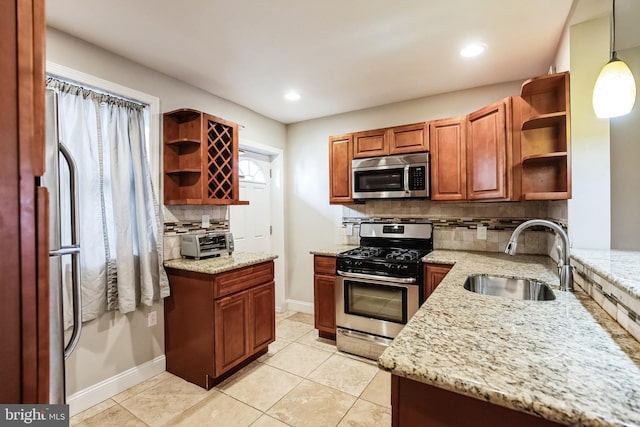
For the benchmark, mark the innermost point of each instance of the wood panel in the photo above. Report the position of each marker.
(324, 303)
(188, 326)
(433, 275)
(262, 318)
(340, 156)
(418, 404)
(448, 159)
(241, 279)
(486, 153)
(231, 332)
(412, 138)
(324, 265)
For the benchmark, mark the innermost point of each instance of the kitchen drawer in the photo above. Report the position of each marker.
(241, 279)
(324, 264)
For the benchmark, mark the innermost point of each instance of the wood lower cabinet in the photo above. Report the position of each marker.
(340, 156)
(216, 323)
(324, 299)
(433, 275)
(417, 404)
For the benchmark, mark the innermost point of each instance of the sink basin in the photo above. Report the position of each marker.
(522, 289)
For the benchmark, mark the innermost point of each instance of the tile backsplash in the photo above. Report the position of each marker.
(182, 219)
(456, 224)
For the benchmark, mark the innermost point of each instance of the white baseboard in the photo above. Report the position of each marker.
(108, 388)
(300, 306)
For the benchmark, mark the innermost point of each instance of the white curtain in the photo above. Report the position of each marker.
(120, 226)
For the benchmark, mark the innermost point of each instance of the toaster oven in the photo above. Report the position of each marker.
(206, 245)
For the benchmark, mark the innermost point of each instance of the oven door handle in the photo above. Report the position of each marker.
(373, 277)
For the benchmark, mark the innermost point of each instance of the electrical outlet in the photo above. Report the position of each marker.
(482, 233)
(152, 318)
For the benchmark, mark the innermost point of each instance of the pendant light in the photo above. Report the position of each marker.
(615, 90)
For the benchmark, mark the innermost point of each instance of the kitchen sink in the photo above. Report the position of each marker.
(522, 289)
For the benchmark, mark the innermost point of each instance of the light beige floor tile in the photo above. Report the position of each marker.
(115, 416)
(162, 402)
(274, 348)
(267, 421)
(284, 315)
(88, 413)
(312, 405)
(302, 318)
(345, 374)
(291, 330)
(366, 414)
(312, 339)
(216, 410)
(379, 389)
(262, 387)
(298, 359)
(147, 384)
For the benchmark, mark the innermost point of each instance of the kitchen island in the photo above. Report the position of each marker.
(565, 360)
(220, 315)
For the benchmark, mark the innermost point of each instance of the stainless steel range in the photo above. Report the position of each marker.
(379, 285)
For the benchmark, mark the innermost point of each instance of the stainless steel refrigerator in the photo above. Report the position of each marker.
(61, 181)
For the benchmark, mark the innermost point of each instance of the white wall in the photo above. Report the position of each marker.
(590, 207)
(625, 173)
(113, 343)
(313, 223)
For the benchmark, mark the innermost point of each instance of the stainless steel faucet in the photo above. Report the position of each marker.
(564, 267)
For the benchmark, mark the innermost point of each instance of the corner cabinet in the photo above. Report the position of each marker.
(200, 159)
(541, 149)
(340, 156)
(217, 323)
(324, 299)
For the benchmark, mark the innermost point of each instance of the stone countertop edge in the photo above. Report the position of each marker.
(621, 268)
(221, 263)
(564, 360)
(332, 250)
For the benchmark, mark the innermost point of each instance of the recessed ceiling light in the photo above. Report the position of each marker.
(473, 49)
(292, 96)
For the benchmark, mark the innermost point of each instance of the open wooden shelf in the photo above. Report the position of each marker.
(177, 171)
(545, 158)
(183, 141)
(542, 147)
(544, 120)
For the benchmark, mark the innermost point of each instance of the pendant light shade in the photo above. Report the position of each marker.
(614, 93)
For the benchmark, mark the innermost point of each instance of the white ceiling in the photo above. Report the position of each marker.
(340, 55)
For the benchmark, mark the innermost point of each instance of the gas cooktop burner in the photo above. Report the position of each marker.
(404, 254)
(365, 252)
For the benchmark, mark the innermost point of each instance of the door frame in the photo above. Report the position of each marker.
(277, 214)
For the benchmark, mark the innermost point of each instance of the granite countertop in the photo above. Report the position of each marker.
(333, 250)
(564, 360)
(221, 263)
(620, 267)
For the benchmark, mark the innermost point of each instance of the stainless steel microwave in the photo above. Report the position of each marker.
(399, 176)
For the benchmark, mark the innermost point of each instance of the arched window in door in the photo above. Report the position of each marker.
(250, 171)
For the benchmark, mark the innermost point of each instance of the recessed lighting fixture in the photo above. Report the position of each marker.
(473, 49)
(292, 96)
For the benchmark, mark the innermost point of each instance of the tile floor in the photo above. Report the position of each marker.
(302, 381)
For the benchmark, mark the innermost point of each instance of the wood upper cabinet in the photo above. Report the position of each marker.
(200, 159)
(542, 139)
(468, 156)
(433, 275)
(486, 153)
(340, 155)
(370, 143)
(413, 138)
(324, 299)
(448, 159)
(216, 323)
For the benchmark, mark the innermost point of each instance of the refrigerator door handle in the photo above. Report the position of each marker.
(74, 251)
(65, 250)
